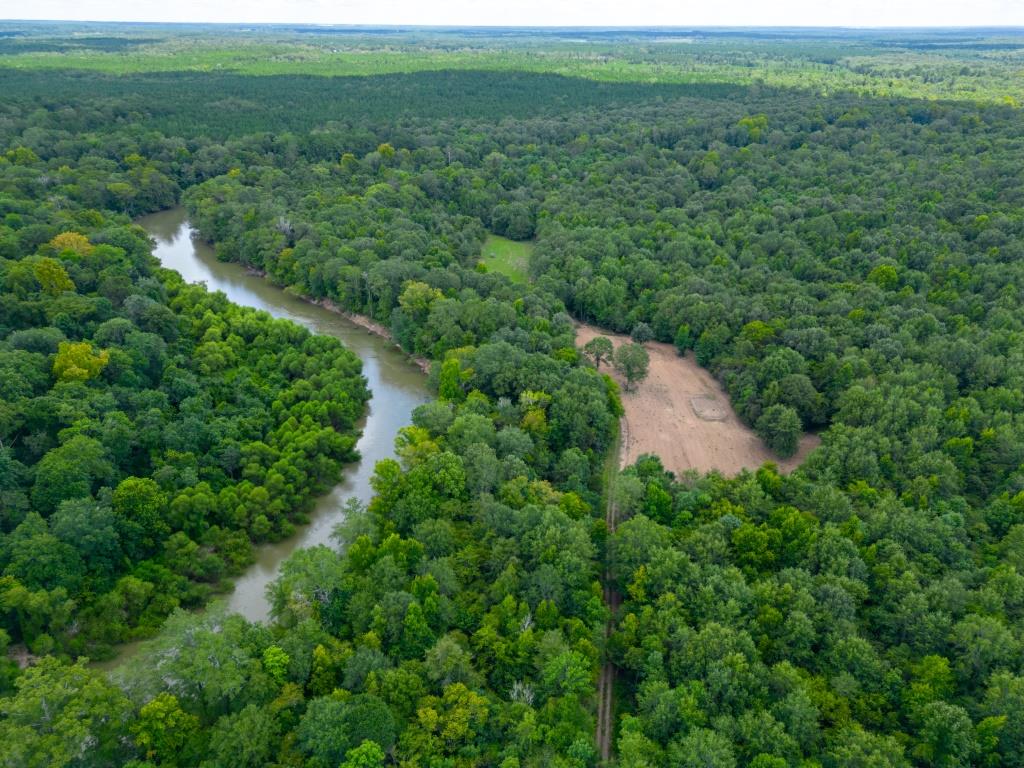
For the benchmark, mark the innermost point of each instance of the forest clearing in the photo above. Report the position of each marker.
(506, 257)
(682, 414)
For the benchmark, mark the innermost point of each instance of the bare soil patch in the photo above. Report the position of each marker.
(682, 414)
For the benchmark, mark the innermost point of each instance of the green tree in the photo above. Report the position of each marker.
(641, 333)
(417, 636)
(275, 661)
(61, 714)
(884, 276)
(331, 727)
(780, 427)
(702, 748)
(450, 383)
(632, 361)
(247, 739)
(853, 746)
(70, 471)
(683, 338)
(165, 732)
(947, 737)
(141, 506)
(514, 220)
(417, 298)
(599, 348)
(567, 674)
(367, 755)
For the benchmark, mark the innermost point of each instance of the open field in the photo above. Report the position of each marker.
(988, 72)
(507, 257)
(681, 413)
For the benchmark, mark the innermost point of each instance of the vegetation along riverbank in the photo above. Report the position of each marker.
(809, 245)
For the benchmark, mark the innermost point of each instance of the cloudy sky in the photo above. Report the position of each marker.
(859, 13)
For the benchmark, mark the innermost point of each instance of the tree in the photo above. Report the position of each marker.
(70, 471)
(76, 361)
(683, 339)
(702, 748)
(884, 276)
(164, 731)
(62, 713)
(780, 427)
(248, 739)
(451, 380)
(417, 636)
(853, 746)
(632, 361)
(275, 661)
(641, 333)
(947, 736)
(331, 727)
(91, 528)
(514, 220)
(141, 506)
(599, 348)
(322, 732)
(367, 755)
(567, 674)
(75, 242)
(417, 298)
(53, 278)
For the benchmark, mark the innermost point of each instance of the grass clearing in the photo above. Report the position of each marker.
(507, 257)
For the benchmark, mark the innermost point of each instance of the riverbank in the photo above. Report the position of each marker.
(363, 321)
(397, 388)
(371, 326)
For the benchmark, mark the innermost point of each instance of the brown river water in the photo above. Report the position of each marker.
(396, 384)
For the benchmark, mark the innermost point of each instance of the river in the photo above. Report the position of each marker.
(396, 384)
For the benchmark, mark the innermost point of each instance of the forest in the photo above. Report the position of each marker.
(846, 262)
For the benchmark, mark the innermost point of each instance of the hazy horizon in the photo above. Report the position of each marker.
(609, 27)
(868, 14)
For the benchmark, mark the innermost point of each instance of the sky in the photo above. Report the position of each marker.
(849, 13)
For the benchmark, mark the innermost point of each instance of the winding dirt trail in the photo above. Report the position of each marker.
(682, 414)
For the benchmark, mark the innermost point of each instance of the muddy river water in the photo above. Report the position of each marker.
(396, 383)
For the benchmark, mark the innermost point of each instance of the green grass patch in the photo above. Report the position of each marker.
(507, 257)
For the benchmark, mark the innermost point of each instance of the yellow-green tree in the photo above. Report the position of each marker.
(52, 277)
(77, 361)
(417, 298)
(72, 241)
(163, 729)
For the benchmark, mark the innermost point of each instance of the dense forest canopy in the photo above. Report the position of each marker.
(150, 429)
(847, 262)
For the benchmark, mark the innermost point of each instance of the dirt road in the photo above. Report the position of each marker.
(606, 681)
(682, 414)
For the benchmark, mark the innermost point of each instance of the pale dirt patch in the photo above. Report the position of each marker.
(709, 408)
(682, 414)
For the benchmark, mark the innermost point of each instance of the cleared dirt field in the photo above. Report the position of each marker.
(682, 414)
